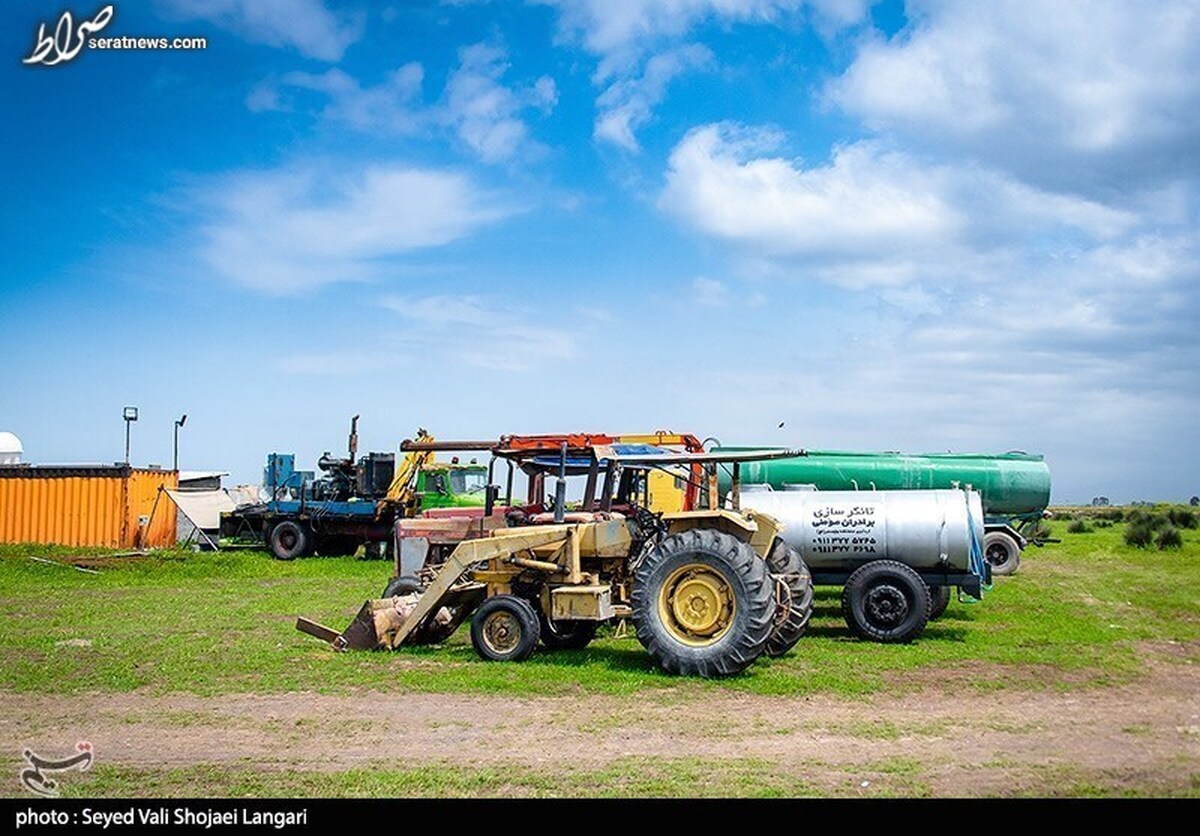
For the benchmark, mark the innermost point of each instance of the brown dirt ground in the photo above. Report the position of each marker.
(1143, 737)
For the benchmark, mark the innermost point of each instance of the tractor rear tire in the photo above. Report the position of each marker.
(939, 599)
(703, 603)
(1002, 552)
(505, 629)
(787, 566)
(289, 540)
(885, 601)
(567, 635)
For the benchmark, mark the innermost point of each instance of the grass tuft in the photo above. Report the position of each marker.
(1169, 538)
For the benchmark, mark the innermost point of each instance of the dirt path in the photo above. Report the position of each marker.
(1142, 736)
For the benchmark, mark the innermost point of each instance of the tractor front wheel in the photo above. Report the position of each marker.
(505, 629)
(402, 586)
(703, 603)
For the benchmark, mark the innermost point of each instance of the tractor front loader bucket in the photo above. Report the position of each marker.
(387, 623)
(376, 620)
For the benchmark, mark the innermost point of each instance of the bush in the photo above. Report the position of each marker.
(1139, 516)
(1139, 534)
(1169, 538)
(1037, 531)
(1103, 523)
(1111, 514)
(1182, 518)
(1078, 527)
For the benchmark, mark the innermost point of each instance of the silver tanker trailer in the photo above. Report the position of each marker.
(896, 554)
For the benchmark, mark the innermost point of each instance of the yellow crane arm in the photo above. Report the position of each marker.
(404, 484)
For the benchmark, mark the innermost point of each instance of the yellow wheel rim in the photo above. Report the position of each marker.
(501, 632)
(696, 604)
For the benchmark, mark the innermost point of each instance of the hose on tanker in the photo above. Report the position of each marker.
(975, 559)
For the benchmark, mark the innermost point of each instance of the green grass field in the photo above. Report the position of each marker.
(1079, 614)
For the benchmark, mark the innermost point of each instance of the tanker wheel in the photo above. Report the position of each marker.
(1002, 552)
(787, 567)
(505, 629)
(703, 603)
(885, 601)
(566, 634)
(290, 540)
(939, 599)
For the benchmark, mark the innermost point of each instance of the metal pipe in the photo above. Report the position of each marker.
(589, 490)
(175, 458)
(409, 446)
(490, 490)
(540, 565)
(606, 492)
(560, 486)
(508, 485)
(737, 486)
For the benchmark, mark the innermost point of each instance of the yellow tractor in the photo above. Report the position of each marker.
(707, 589)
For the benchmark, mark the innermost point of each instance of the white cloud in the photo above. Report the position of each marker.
(640, 46)
(393, 106)
(442, 310)
(871, 216)
(711, 293)
(619, 30)
(483, 333)
(1092, 96)
(303, 226)
(304, 25)
(628, 104)
(484, 112)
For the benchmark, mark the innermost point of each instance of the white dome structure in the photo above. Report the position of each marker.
(10, 449)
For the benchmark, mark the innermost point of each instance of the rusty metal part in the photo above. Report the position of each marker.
(320, 631)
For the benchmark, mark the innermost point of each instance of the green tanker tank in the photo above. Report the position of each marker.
(1015, 487)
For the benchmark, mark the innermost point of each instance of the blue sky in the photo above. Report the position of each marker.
(918, 226)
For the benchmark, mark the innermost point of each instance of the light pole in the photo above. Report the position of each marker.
(130, 415)
(179, 423)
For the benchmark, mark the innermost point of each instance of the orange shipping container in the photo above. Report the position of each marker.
(89, 505)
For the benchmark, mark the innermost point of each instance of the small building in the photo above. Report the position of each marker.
(200, 500)
(114, 506)
(201, 480)
(10, 449)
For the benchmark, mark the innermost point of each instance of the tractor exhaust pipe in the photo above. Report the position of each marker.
(560, 486)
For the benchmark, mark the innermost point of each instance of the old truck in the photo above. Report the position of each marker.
(1014, 487)
(354, 503)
